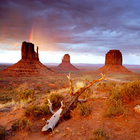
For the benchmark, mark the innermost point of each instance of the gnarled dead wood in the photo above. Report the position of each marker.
(50, 124)
(70, 81)
(66, 107)
(74, 97)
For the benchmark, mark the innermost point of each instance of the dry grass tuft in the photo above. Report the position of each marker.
(22, 124)
(100, 134)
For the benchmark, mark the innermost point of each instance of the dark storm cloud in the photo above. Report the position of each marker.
(96, 25)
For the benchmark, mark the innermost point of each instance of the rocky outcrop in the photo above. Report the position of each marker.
(66, 65)
(27, 51)
(113, 63)
(66, 58)
(113, 57)
(29, 65)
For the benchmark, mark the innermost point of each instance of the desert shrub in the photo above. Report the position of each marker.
(45, 109)
(100, 134)
(115, 107)
(131, 90)
(3, 132)
(22, 124)
(36, 111)
(114, 103)
(84, 110)
(33, 111)
(106, 86)
(25, 94)
(56, 99)
(5, 98)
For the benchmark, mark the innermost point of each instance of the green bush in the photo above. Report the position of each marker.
(21, 125)
(100, 134)
(3, 132)
(131, 90)
(56, 99)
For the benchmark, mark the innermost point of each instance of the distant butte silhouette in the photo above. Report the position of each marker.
(66, 65)
(29, 65)
(113, 63)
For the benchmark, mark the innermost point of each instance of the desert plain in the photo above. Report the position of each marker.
(116, 126)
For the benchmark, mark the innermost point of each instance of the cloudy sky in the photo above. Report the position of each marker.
(86, 29)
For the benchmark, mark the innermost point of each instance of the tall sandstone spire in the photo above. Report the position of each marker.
(27, 51)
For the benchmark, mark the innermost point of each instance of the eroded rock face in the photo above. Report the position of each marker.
(113, 57)
(27, 51)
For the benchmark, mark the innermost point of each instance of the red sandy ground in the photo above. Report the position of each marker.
(120, 128)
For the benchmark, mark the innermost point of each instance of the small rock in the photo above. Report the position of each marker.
(67, 128)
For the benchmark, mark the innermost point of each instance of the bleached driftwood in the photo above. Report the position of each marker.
(68, 105)
(50, 106)
(50, 124)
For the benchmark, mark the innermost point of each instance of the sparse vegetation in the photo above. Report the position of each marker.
(22, 124)
(33, 111)
(45, 109)
(131, 90)
(84, 110)
(100, 134)
(3, 132)
(36, 110)
(56, 98)
(5, 98)
(127, 91)
(26, 94)
(115, 107)
(118, 93)
(106, 85)
(114, 103)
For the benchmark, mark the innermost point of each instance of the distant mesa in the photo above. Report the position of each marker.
(29, 65)
(113, 63)
(66, 65)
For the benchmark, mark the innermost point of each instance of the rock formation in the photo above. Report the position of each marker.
(113, 63)
(29, 65)
(27, 51)
(113, 57)
(66, 65)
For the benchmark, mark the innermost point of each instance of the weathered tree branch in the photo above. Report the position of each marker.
(74, 97)
(50, 106)
(62, 112)
(70, 81)
(50, 124)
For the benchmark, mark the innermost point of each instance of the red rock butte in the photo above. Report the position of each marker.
(66, 65)
(29, 65)
(113, 63)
